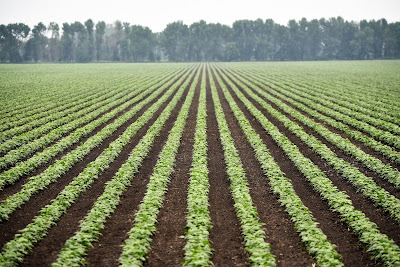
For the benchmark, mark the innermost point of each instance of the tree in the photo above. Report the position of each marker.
(3, 43)
(66, 43)
(142, 43)
(198, 41)
(392, 41)
(314, 40)
(124, 43)
(348, 31)
(12, 41)
(100, 30)
(39, 42)
(282, 43)
(90, 45)
(54, 41)
(333, 38)
(243, 34)
(231, 52)
(295, 41)
(174, 40)
(80, 42)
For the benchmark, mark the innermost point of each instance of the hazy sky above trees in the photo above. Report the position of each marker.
(156, 14)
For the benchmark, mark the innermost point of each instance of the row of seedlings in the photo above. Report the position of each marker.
(378, 244)
(297, 101)
(51, 174)
(14, 251)
(33, 114)
(116, 105)
(384, 170)
(23, 168)
(365, 106)
(138, 243)
(54, 118)
(254, 235)
(313, 238)
(363, 183)
(198, 248)
(380, 134)
(20, 135)
(41, 101)
(357, 92)
(90, 227)
(35, 95)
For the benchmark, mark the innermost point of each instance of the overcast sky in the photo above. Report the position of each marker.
(156, 14)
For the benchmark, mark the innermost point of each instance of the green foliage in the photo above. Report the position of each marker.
(378, 244)
(78, 245)
(14, 251)
(138, 243)
(254, 235)
(198, 248)
(245, 40)
(313, 238)
(41, 108)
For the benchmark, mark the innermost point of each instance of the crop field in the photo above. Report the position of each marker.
(200, 164)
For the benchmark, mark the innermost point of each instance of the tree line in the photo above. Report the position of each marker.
(245, 40)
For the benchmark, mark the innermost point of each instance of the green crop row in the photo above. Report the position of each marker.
(22, 108)
(348, 102)
(386, 150)
(23, 168)
(8, 123)
(25, 133)
(51, 174)
(363, 183)
(198, 248)
(120, 103)
(378, 134)
(138, 243)
(14, 251)
(254, 235)
(330, 92)
(313, 238)
(28, 131)
(361, 91)
(64, 108)
(27, 95)
(372, 163)
(77, 246)
(378, 244)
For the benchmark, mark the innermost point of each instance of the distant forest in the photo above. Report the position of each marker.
(245, 40)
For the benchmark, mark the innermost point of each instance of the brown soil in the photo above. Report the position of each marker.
(46, 251)
(21, 217)
(277, 224)
(330, 223)
(226, 235)
(387, 225)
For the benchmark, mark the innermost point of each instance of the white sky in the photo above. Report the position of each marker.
(156, 14)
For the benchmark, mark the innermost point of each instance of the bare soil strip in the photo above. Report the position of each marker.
(379, 181)
(167, 245)
(377, 215)
(46, 251)
(23, 216)
(278, 226)
(107, 250)
(329, 222)
(365, 148)
(225, 236)
(11, 189)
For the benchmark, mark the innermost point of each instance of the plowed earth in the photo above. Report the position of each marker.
(226, 235)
